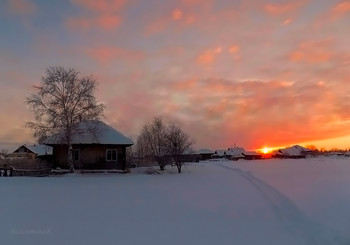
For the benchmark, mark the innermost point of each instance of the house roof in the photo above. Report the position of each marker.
(205, 151)
(92, 132)
(39, 150)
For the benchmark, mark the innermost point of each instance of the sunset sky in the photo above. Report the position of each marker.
(250, 73)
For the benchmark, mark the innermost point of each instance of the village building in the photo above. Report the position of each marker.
(42, 152)
(95, 145)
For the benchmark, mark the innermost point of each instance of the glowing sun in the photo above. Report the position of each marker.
(266, 150)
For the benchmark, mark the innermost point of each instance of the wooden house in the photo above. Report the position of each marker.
(95, 145)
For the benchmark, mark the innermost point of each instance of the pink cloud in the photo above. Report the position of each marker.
(283, 8)
(156, 26)
(79, 23)
(106, 54)
(21, 7)
(104, 14)
(108, 22)
(287, 21)
(101, 6)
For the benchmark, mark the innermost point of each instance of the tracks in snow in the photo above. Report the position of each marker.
(288, 213)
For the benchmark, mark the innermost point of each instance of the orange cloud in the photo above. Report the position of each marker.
(234, 49)
(177, 14)
(251, 113)
(341, 8)
(208, 56)
(312, 52)
(21, 7)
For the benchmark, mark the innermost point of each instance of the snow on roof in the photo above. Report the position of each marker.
(221, 152)
(302, 148)
(92, 132)
(40, 150)
(236, 151)
(295, 150)
(276, 153)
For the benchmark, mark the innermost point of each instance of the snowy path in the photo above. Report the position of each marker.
(290, 216)
(209, 203)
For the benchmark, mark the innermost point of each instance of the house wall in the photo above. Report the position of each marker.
(91, 157)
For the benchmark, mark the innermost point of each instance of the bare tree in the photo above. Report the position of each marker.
(165, 143)
(62, 100)
(152, 141)
(178, 143)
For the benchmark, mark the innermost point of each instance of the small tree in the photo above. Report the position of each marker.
(178, 143)
(60, 102)
(152, 141)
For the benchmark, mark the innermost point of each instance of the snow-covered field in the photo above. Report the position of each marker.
(216, 202)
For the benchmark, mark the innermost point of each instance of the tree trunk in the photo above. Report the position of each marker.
(179, 165)
(70, 158)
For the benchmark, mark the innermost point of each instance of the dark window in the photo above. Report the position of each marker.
(111, 155)
(76, 155)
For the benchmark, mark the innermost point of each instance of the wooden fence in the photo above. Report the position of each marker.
(24, 172)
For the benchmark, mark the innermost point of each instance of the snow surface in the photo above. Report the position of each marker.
(297, 202)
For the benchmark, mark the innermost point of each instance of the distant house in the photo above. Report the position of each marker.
(205, 154)
(219, 154)
(236, 153)
(277, 154)
(231, 153)
(42, 152)
(295, 151)
(252, 155)
(96, 145)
